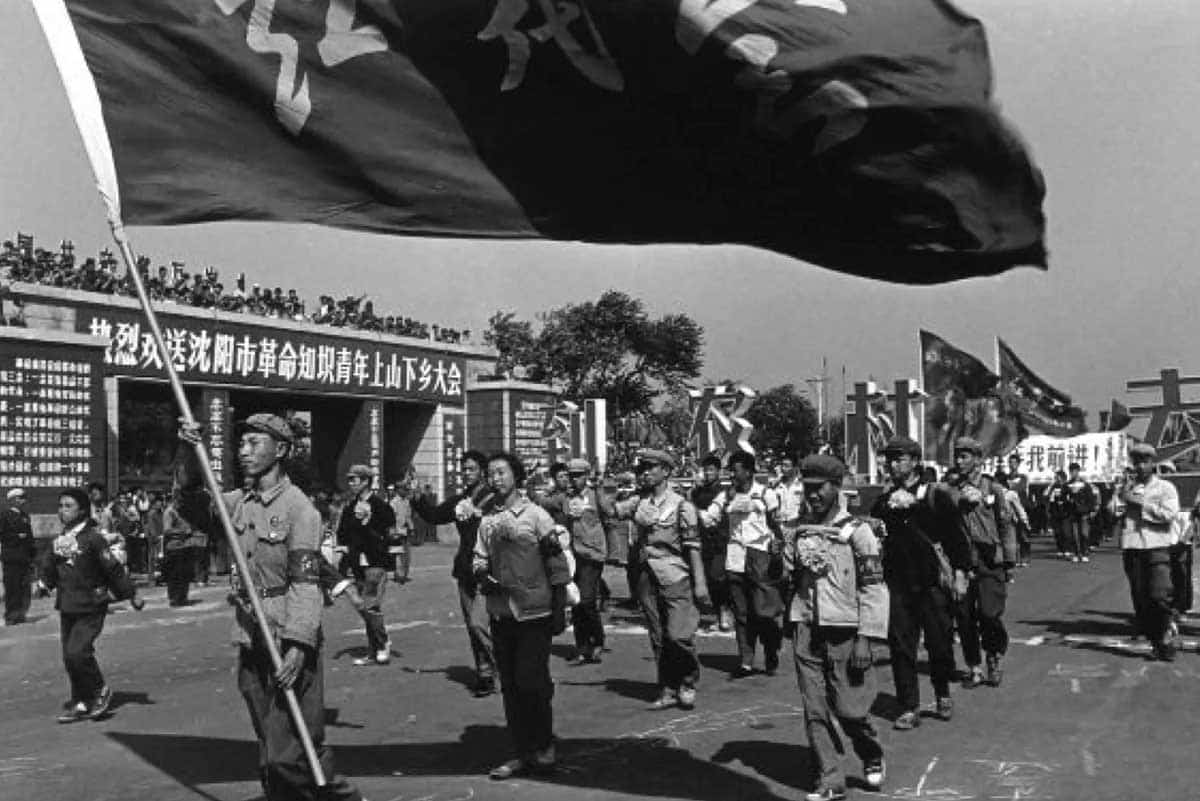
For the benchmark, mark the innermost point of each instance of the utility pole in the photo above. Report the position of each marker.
(821, 382)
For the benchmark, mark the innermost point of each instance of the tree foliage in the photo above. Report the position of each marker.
(785, 423)
(609, 348)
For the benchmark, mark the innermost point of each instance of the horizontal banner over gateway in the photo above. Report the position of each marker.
(223, 352)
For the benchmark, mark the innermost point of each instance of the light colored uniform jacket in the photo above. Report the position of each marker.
(837, 575)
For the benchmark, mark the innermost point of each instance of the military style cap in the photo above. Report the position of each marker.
(652, 456)
(360, 471)
(1142, 449)
(14, 493)
(968, 444)
(821, 467)
(609, 483)
(903, 445)
(271, 424)
(579, 466)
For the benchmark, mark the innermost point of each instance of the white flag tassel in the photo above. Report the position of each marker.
(85, 103)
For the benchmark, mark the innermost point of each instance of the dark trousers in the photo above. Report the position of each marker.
(17, 591)
(79, 633)
(523, 661)
(830, 689)
(1078, 536)
(713, 556)
(1149, 574)
(671, 621)
(474, 614)
(282, 766)
(913, 614)
(1024, 547)
(1181, 576)
(200, 563)
(589, 628)
(371, 588)
(1062, 536)
(979, 615)
(757, 609)
(177, 572)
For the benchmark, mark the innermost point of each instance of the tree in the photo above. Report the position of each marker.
(609, 348)
(784, 423)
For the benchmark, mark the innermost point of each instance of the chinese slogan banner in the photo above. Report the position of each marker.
(860, 135)
(1101, 457)
(51, 418)
(217, 351)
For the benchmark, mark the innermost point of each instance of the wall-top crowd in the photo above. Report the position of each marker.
(21, 261)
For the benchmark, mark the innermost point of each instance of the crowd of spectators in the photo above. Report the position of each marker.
(21, 261)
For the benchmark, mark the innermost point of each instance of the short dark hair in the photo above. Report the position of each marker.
(514, 464)
(94, 485)
(478, 457)
(1074, 466)
(80, 497)
(557, 467)
(711, 461)
(746, 460)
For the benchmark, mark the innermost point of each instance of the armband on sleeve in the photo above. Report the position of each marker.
(304, 566)
(869, 568)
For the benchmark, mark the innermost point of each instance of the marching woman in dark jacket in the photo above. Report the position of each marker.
(87, 577)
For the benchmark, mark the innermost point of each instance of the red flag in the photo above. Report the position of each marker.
(855, 134)
(964, 400)
(1042, 408)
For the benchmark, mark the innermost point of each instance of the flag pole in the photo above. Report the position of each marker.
(84, 99)
(214, 489)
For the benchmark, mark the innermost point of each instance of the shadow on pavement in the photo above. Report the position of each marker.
(121, 698)
(628, 688)
(649, 767)
(459, 674)
(790, 765)
(1083, 625)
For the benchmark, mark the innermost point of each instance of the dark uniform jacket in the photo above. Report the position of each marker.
(84, 572)
(714, 537)
(468, 529)
(369, 539)
(909, 562)
(16, 537)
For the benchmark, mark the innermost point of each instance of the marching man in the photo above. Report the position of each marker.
(839, 616)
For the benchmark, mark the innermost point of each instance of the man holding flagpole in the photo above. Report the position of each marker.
(280, 533)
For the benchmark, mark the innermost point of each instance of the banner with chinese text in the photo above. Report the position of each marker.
(860, 135)
(217, 351)
(1101, 457)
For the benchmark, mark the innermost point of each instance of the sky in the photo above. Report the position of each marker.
(1104, 91)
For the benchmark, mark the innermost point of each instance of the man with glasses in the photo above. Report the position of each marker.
(923, 538)
(670, 577)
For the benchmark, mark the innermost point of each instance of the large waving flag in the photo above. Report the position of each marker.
(1041, 408)
(856, 134)
(965, 399)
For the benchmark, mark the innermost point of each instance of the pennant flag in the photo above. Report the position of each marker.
(860, 135)
(964, 400)
(1119, 417)
(1042, 409)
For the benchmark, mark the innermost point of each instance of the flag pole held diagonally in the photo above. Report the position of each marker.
(85, 106)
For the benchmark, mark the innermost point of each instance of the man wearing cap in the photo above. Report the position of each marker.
(1151, 506)
(923, 539)
(1081, 507)
(279, 531)
(16, 553)
(713, 540)
(585, 520)
(670, 577)
(839, 617)
(993, 547)
(363, 530)
(752, 563)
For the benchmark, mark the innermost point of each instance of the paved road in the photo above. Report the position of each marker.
(1082, 714)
